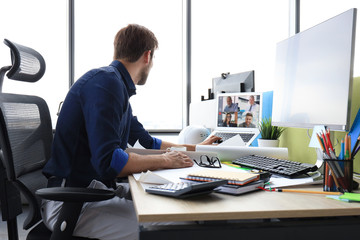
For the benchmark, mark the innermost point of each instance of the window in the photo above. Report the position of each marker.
(158, 104)
(230, 36)
(41, 25)
(235, 36)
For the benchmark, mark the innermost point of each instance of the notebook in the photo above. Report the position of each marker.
(233, 178)
(238, 190)
(238, 114)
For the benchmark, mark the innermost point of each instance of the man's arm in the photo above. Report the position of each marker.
(190, 147)
(140, 163)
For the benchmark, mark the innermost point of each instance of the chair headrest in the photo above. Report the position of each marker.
(27, 64)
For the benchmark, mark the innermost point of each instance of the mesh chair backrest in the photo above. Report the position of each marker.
(26, 138)
(25, 130)
(27, 64)
(28, 124)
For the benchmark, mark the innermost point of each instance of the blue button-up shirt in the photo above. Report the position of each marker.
(94, 127)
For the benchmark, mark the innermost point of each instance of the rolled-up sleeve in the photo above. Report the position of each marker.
(119, 159)
(156, 143)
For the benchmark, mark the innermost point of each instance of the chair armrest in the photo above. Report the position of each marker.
(72, 194)
(73, 199)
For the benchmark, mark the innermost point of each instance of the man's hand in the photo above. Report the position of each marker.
(176, 159)
(212, 139)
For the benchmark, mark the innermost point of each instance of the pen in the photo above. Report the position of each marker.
(307, 191)
(332, 154)
(330, 180)
(336, 164)
(236, 166)
(356, 150)
(355, 147)
(338, 179)
(325, 155)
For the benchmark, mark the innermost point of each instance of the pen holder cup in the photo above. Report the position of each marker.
(338, 175)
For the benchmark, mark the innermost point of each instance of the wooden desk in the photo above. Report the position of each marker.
(257, 205)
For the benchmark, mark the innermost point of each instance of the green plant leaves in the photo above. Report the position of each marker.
(268, 131)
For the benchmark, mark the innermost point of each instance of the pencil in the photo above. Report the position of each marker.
(349, 144)
(307, 191)
(346, 147)
(320, 142)
(342, 152)
(325, 143)
(326, 176)
(328, 140)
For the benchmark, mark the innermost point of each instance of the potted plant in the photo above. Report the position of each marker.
(269, 134)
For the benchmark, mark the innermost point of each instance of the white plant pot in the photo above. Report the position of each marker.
(268, 142)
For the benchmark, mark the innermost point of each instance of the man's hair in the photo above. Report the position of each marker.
(132, 41)
(249, 114)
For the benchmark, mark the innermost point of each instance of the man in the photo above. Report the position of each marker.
(248, 121)
(230, 107)
(252, 107)
(93, 129)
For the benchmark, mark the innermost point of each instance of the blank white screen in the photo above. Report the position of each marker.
(313, 75)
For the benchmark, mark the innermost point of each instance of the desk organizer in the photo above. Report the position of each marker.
(338, 175)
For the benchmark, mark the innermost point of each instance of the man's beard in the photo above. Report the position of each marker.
(143, 76)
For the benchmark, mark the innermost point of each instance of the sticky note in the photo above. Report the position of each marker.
(351, 196)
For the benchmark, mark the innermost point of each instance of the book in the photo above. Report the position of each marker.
(234, 178)
(238, 190)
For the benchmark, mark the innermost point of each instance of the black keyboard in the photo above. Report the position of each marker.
(285, 168)
(227, 135)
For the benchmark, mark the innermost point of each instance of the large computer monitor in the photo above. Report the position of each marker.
(313, 75)
(238, 82)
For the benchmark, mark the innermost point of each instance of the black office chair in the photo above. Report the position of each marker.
(25, 143)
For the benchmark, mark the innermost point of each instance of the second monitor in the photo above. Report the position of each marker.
(238, 82)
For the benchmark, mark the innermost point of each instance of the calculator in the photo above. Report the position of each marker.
(185, 189)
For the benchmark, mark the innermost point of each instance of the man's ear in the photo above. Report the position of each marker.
(147, 56)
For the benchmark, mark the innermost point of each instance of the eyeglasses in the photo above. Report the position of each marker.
(205, 161)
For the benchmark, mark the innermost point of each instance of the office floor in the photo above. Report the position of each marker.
(22, 233)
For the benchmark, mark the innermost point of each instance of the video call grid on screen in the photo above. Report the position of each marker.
(238, 109)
